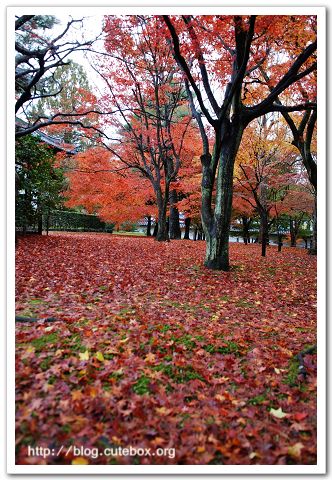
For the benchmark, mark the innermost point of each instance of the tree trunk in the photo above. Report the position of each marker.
(313, 246)
(47, 222)
(148, 227)
(195, 233)
(27, 220)
(155, 229)
(174, 219)
(39, 215)
(187, 228)
(217, 226)
(292, 231)
(162, 234)
(40, 224)
(264, 227)
(279, 242)
(245, 229)
(217, 257)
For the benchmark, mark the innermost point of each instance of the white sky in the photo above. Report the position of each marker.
(91, 28)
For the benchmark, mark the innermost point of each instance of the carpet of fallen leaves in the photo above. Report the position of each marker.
(152, 350)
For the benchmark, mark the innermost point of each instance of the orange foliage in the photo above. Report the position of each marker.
(102, 185)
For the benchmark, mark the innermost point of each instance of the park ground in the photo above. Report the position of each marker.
(150, 349)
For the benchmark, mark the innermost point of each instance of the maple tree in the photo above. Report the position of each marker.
(190, 195)
(304, 140)
(302, 124)
(303, 129)
(265, 172)
(103, 186)
(244, 212)
(241, 44)
(154, 133)
(297, 208)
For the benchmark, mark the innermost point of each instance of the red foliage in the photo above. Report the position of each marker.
(214, 45)
(265, 175)
(150, 349)
(190, 179)
(103, 185)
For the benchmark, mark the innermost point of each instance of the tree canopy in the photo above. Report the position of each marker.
(175, 89)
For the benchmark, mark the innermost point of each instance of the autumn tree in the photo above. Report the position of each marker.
(244, 212)
(265, 171)
(297, 207)
(153, 131)
(40, 52)
(303, 129)
(223, 54)
(105, 187)
(190, 178)
(303, 139)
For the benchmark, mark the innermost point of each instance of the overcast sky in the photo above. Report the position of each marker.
(90, 28)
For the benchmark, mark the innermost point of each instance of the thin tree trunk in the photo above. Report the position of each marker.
(40, 223)
(265, 232)
(187, 228)
(292, 231)
(261, 234)
(313, 246)
(155, 229)
(148, 227)
(174, 219)
(27, 214)
(47, 222)
(40, 226)
(245, 229)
